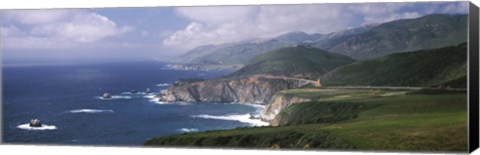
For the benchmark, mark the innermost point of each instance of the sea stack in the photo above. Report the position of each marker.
(35, 123)
(133, 91)
(106, 96)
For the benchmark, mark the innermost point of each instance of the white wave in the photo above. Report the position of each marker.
(245, 118)
(163, 84)
(259, 108)
(114, 97)
(189, 129)
(90, 111)
(150, 96)
(43, 127)
(130, 93)
(157, 101)
(254, 105)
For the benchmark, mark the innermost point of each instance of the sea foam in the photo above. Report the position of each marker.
(163, 84)
(244, 118)
(43, 127)
(189, 129)
(157, 101)
(130, 93)
(90, 111)
(114, 97)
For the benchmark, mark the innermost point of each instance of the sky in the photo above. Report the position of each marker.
(124, 34)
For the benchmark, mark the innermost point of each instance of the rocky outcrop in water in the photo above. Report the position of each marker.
(35, 123)
(252, 89)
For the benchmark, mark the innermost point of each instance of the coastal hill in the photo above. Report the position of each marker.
(301, 61)
(424, 68)
(440, 68)
(383, 118)
(430, 31)
(350, 119)
(266, 74)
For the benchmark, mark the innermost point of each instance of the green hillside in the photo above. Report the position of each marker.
(348, 119)
(290, 61)
(431, 31)
(434, 67)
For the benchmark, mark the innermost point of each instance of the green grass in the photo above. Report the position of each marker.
(442, 67)
(388, 121)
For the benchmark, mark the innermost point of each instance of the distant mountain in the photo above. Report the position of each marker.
(431, 31)
(298, 36)
(239, 54)
(195, 53)
(233, 55)
(369, 41)
(444, 67)
(330, 40)
(300, 61)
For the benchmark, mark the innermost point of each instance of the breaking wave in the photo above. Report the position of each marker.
(244, 118)
(90, 111)
(130, 93)
(163, 84)
(189, 129)
(114, 97)
(43, 127)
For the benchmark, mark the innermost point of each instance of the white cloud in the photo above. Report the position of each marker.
(217, 15)
(223, 24)
(53, 29)
(383, 12)
(216, 25)
(455, 8)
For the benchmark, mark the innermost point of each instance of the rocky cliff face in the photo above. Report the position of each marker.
(279, 102)
(252, 89)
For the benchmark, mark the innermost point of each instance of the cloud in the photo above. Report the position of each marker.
(54, 29)
(383, 12)
(455, 8)
(223, 24)
(216, 25)
(217, 15)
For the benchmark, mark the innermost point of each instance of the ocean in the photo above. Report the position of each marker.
(67, 99)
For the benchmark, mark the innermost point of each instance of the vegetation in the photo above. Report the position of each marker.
(401, 119)
(445, 67)
(367, 119)
(321, 112)
(291, 61)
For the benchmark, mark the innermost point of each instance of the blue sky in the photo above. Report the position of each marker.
(154, 32)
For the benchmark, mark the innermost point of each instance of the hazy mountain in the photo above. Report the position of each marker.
(431, 31)
(369, 41)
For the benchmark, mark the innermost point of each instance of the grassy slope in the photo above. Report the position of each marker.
(393, 120)
(294, 60)
(443, 66)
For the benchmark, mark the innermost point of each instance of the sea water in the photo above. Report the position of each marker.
(67, 99)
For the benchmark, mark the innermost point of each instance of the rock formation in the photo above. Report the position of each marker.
(106, 96)
(278, 102)
(35, 123)
(252, 89)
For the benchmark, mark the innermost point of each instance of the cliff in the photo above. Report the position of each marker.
(257, 89)
(279, 102)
